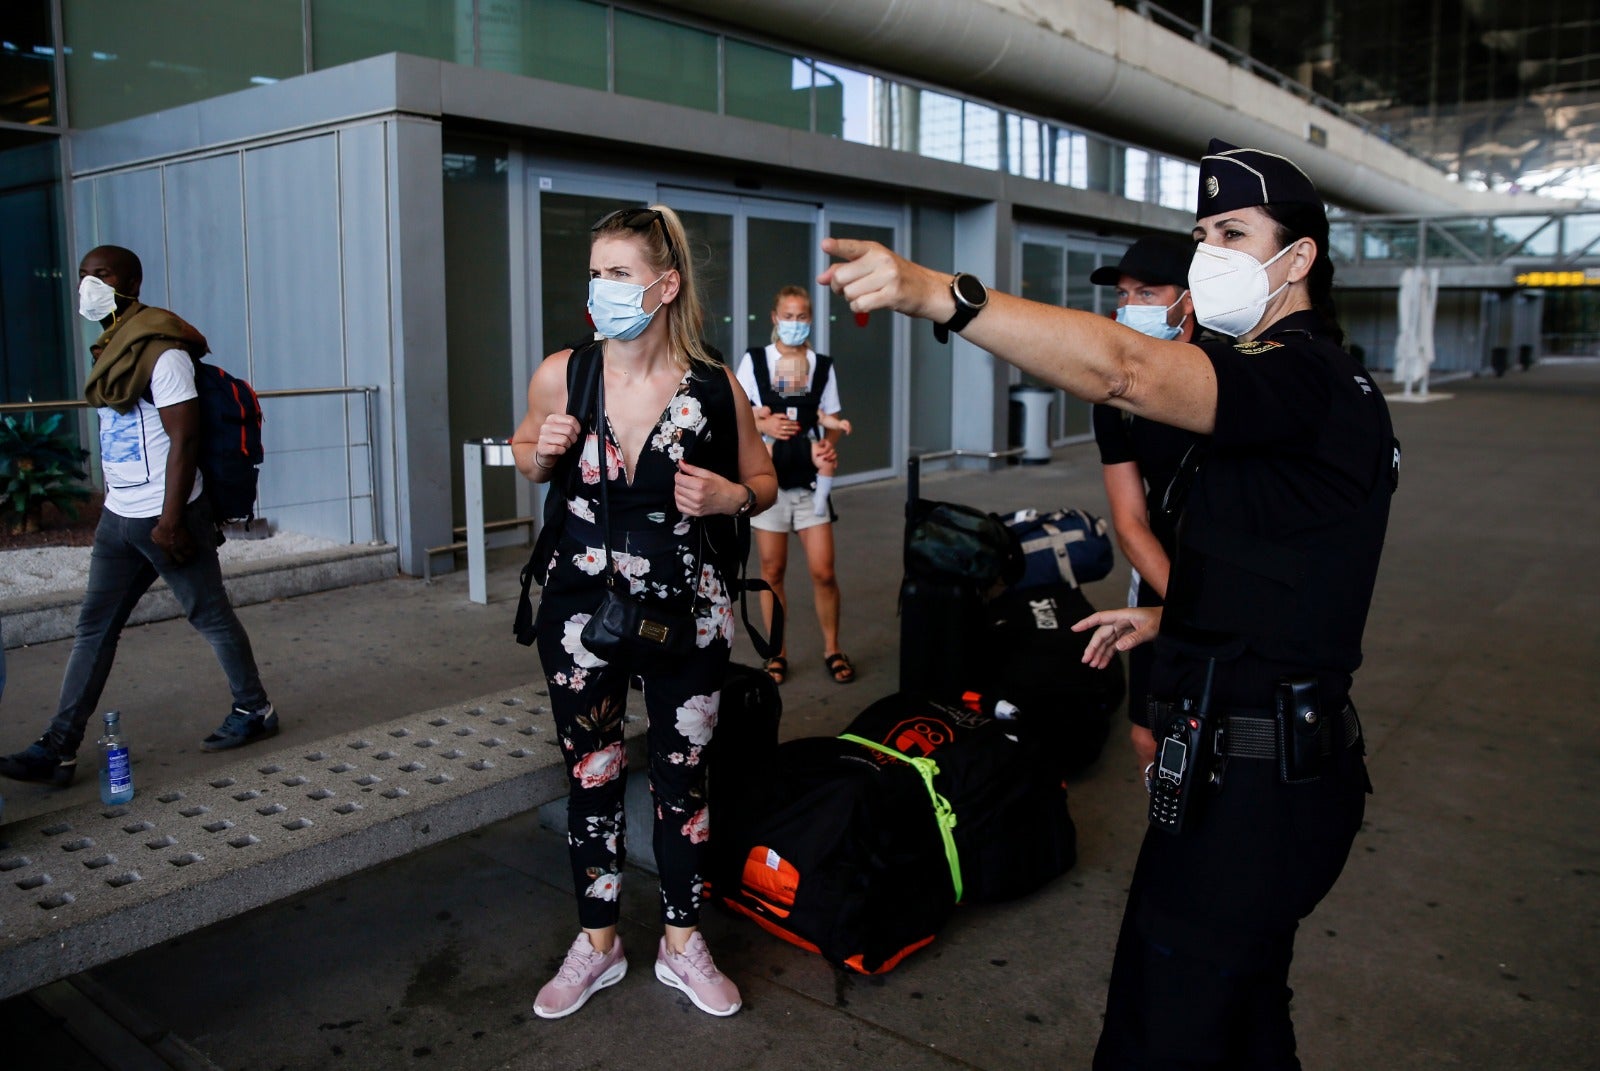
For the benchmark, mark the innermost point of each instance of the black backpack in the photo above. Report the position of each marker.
(837, 853)
(230, 442)
(1009, 825)
(946, 541)
(1027, 653)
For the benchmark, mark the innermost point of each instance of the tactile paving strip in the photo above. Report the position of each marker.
(85, 886)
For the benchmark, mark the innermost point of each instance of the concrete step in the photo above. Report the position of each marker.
(53, 615)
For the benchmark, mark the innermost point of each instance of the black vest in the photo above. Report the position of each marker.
(1243, 584)
(791, 457)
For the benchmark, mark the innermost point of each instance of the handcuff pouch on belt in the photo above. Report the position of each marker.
(1305, 736)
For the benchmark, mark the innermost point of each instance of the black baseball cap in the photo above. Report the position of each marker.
(1156, 259)
(1231, 177)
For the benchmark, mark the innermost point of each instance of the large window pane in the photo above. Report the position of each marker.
(711, 252)
(980, 146)
(659, 61)
(1071, 159)
(1541, 234)
(564, 222)
(343, 31)
(773, 87)
(126, 59)
(851, 105)
(33, 355)
(1177, 182)
(557, 40)
(779, 254)
(477, 249)
(27, 63)
(1023, 142)
(1135, 175)
(864, 355)
(1579, 234)
(938, 125)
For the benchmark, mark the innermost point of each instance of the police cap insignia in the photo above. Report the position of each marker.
(1250, 349)
(1231, 177)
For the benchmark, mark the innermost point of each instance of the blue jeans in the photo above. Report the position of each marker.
(122, 566)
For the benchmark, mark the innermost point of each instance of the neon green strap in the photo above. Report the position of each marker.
(943, 814)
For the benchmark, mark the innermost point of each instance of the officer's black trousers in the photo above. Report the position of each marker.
(1200, 979)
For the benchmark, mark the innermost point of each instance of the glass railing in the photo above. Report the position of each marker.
(1566, 237)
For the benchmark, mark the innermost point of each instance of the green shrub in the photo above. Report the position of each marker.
(39, 464)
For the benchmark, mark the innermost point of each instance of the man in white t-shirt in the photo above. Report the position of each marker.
(155, 521)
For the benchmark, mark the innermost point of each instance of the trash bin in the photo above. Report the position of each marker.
(1035, 410)
(1497, 360)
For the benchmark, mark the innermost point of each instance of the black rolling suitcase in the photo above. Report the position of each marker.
(952, 555)
(1032, 658)
(742, 752)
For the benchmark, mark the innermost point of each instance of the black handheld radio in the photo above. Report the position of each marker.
(1184, 761)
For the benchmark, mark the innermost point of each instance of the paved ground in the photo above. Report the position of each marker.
(1463, 933)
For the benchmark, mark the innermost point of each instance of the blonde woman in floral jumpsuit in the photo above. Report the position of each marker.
(659, 438)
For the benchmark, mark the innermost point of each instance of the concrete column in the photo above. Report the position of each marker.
(423, 459)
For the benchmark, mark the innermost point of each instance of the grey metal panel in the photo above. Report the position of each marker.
(364, 252)
(85, 219)
(368, 87)
(422, 457)
(292, 257)
(976, 377)
(129, 211)
(205, 247)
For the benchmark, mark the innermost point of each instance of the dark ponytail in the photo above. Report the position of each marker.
(1297, 220)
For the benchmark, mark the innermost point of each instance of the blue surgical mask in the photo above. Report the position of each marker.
(794, 332)
(617, 308)
(1151, 320)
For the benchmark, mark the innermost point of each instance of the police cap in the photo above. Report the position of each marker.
(1156, 259)
(1231, 177)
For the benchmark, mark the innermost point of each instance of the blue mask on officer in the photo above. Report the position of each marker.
(1151, 320)
(617, 308)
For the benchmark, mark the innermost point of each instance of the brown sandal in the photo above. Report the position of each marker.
(777, 668)
(839, 667)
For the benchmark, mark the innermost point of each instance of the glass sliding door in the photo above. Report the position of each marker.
(864, 348)
(1054, 268)
(779, 253)
(711, 251)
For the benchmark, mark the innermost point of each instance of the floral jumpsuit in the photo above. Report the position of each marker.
(659, 553)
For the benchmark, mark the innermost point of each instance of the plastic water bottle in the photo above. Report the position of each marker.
(116, 772)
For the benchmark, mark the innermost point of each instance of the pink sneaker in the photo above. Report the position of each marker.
(583, 972)
(695, 974)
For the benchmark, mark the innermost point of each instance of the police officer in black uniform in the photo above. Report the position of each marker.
(1282, 522)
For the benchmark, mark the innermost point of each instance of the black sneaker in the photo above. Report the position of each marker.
(40, 762)
(242, 727)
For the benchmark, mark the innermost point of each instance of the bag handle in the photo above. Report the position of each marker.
(944, 815)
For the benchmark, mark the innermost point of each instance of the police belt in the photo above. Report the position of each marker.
(1252, 732)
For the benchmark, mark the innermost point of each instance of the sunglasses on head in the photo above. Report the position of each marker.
(637, 219)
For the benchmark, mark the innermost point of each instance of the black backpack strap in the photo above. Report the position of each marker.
(730, 536)
(765, 394)
(583, 381)
(819, 380)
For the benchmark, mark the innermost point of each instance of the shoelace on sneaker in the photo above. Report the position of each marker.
(697, 954)
(576, 963)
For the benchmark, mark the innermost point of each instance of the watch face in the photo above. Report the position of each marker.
(970, 291)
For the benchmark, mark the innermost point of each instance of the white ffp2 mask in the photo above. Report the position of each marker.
(1230, 288)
